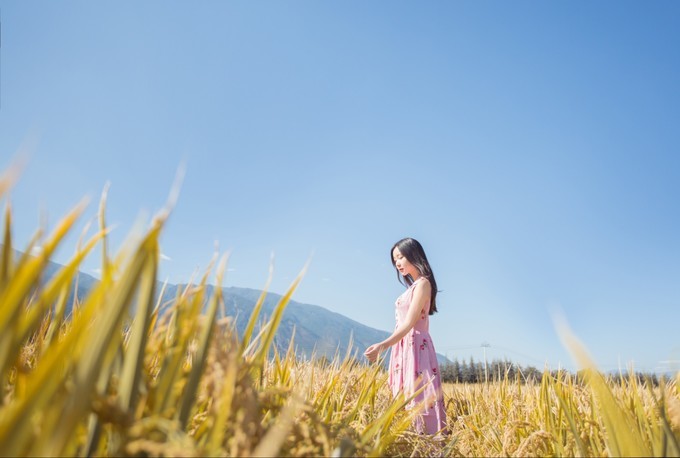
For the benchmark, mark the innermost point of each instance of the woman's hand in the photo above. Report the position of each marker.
(373, 352)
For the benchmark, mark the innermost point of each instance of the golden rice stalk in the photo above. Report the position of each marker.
(186, 323)
(101, 214)
(271, 443)
(268, 337)
(27, 323)
(27, 274)
(224, 405)
(11, 175)
(381, 432)
(102, 345)
(55, 320)
(623, 435)
(567, 406)
(6, 255)
(133, 361)
(202, 351)
(247, 334)
(48, 295)
(669, 443)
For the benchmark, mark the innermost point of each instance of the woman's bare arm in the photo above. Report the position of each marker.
(421, 294)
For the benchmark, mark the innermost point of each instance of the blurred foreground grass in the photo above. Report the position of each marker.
(117, 378)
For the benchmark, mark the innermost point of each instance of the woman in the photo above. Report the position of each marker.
(413, 361)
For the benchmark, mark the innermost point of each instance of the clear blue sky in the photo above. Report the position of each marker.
(532, 147)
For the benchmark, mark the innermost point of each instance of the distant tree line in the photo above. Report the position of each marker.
(474, 371)
(497, 370)
(640, 378)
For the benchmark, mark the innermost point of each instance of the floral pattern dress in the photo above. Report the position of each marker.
(413, 363)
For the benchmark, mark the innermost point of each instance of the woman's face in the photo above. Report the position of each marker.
(403, 265)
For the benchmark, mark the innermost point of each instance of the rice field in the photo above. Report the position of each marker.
(116, 377)
(561, 417)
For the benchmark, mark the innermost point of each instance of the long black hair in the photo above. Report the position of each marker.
(413, 251)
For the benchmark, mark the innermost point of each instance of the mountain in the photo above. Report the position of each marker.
(316, 328)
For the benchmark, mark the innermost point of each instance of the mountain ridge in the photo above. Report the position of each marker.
(315, 329)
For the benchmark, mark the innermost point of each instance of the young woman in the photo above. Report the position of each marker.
(413, 361)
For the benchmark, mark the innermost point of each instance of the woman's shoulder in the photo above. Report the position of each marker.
(423, 283)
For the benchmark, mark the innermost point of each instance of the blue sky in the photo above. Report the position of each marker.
(531, 147)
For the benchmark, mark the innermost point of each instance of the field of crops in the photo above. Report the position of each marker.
(118, 378)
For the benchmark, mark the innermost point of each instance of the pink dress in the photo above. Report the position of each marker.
(413, 362)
